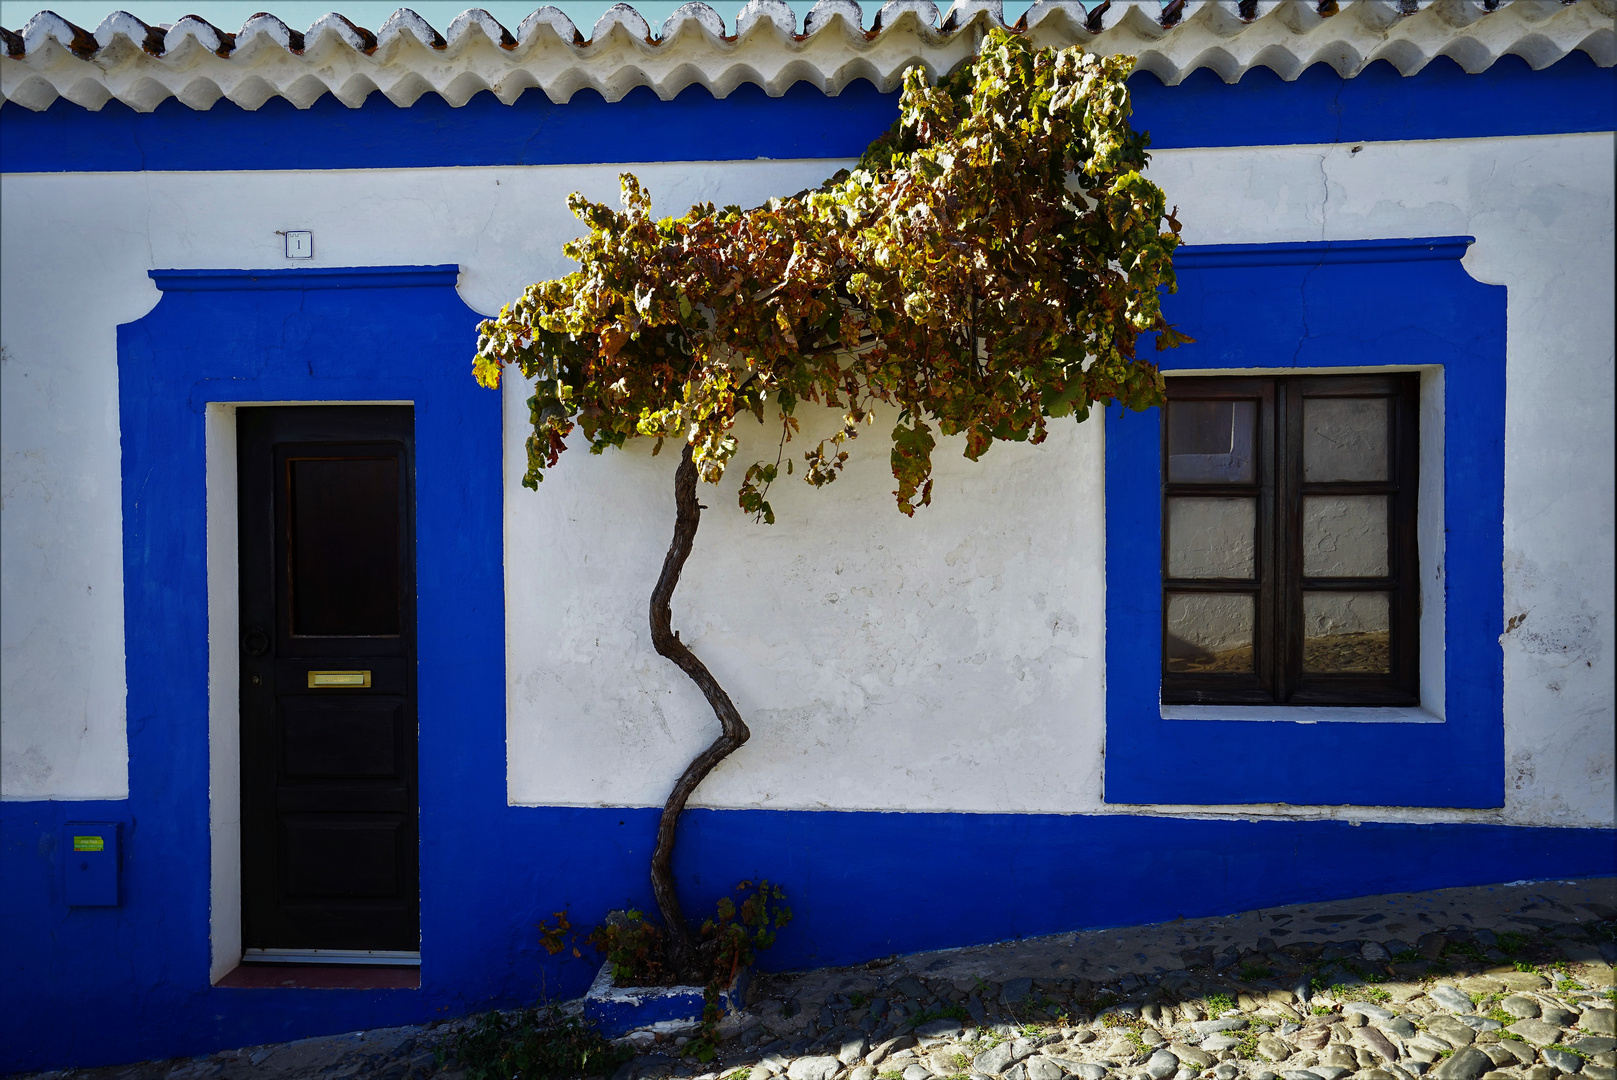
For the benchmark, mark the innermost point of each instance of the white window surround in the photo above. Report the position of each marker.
(1305, 714)
(224, 682)
(1429, 528)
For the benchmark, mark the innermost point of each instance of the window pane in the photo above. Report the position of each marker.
(1345, 536)
(1344, 439)
(1212, 538)
(1211, 441)
(345, 546)
(1345, 632)
(1209, 632)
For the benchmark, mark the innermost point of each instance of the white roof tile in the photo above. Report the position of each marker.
(197, 63)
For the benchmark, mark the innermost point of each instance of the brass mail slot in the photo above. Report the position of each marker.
(338, 678)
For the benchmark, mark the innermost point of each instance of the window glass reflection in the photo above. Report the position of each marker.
(1344, 439)
(1347, 632)
(1212, 538)
(1211, 442)
(1345, 536)
(1209, 632)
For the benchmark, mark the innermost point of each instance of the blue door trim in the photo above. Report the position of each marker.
(302, 278)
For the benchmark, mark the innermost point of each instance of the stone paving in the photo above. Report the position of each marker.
(1510, 982)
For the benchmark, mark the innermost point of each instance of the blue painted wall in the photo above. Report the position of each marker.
(1442, 101)
(1323, 305)
(93, 986)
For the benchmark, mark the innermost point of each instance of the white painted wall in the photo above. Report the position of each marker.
(953, 662)
(62, 290)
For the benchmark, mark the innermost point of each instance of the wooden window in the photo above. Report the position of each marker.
(1289, 558)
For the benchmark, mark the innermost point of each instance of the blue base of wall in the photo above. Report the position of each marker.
(615, 1013)
(97, 986)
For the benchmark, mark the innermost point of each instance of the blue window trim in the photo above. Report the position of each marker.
(1441, 101)
(1337, 304)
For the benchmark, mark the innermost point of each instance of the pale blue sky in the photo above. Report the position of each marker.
(299, 14)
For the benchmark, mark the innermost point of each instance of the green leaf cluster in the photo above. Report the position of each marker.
(729, 942)
(988, 265)
(731, 939)
(634, 948)
(536, 1044)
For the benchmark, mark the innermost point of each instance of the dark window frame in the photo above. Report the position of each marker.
(1278, 585)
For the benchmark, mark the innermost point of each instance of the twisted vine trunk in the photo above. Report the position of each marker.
(688, 514)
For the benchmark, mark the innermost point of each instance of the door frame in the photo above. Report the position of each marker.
(391, 335)
(224, 677)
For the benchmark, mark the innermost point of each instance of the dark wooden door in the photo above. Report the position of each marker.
(328, 715)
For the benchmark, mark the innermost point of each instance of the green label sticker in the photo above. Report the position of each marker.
(88, 843)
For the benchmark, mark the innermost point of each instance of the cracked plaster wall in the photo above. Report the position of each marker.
(62, 723)
(953, 662)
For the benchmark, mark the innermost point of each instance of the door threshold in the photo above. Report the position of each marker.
(346, 957)
(256, 976)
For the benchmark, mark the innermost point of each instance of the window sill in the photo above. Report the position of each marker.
(1304, 714)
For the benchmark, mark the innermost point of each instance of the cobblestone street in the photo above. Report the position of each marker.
(1509, 982)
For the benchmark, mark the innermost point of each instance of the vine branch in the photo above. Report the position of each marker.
(688, 515)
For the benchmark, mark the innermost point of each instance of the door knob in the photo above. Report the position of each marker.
(255, 642)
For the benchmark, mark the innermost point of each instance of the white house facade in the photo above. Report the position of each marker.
(1339, 620)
